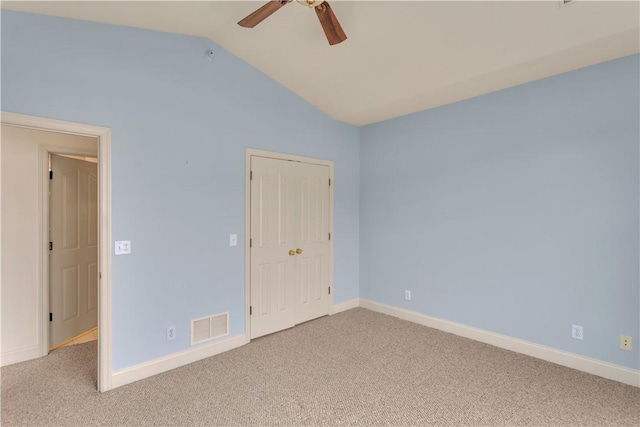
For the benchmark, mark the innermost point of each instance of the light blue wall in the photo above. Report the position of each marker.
(180, 126)
(514, 212)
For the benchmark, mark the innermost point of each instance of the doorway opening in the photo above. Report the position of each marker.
(73, 249)
(56, 138)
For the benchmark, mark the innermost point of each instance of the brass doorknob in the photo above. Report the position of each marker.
(292, 252)
(298, 251)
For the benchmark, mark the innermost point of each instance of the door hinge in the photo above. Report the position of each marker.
(250, 243)
(250, 310)
(50, 246)
(329, 236)
(329, 290)
(100, 276)
(50, 317)
(329, 182)
(250, 175)
(50, 174)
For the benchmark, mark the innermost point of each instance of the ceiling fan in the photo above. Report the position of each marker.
(328, 20)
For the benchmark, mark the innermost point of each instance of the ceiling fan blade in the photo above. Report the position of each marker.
(262, 13)
(330, 24)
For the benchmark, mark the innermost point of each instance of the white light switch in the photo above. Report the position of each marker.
(233, 240)
(123, 247)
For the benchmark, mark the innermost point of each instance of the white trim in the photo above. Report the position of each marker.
(346, 305)
(1, 356)
(104, 207)
(247, 249)
(43, 258)
(104, 296)
(593, 366)
(175, 360)
(21, 355)
(247, 223)
(283, 156)
(332, 182)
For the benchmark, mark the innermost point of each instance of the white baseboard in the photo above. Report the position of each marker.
(571, 360)
(20, 355)
(172, 361)
(346, 305)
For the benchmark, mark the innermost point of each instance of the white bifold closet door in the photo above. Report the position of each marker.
(289, 244)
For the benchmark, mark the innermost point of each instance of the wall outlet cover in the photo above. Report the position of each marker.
(625, 342)
(576, 332)
(171, 333)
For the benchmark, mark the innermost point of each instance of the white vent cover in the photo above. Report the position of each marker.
(209, 327)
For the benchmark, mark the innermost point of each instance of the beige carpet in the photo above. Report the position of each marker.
(357, 367)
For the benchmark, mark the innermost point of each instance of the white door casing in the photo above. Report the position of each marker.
(74, 255)
(103, 136)
(289, 259)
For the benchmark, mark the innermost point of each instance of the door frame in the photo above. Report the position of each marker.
(251, 152)
(103, 136)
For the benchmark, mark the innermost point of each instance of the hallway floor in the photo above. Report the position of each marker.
(90, 335)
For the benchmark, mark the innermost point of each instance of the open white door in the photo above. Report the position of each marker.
(74, 248)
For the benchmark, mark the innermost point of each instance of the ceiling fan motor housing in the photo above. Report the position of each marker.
(311, 3)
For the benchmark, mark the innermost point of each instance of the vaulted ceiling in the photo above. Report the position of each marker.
(400, 56)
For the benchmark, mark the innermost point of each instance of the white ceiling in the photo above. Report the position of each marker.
(400, 56)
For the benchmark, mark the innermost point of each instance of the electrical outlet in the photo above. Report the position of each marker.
(171, 333)
(576, 332)
(407, 295)
(625, 342)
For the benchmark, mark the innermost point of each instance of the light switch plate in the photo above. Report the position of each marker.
(233, 240)
(123, 247)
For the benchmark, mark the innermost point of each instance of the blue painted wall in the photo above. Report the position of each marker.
(514, 212)
(180, 126)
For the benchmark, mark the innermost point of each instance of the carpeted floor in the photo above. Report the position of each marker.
(356, 367)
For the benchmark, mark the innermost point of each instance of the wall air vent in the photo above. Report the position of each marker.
(208, 328)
